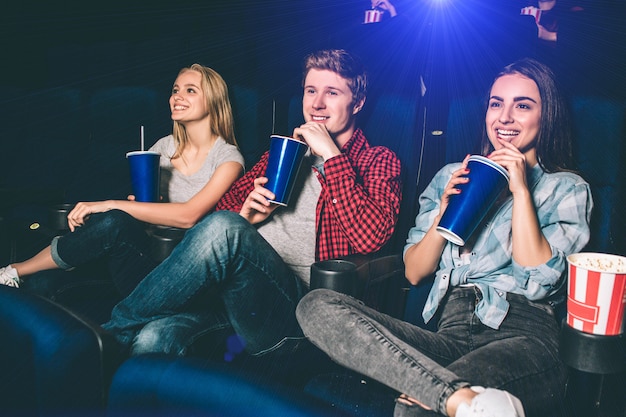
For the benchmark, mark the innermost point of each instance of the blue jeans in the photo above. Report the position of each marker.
(176, 334)
(114, 234)
(521, 357)
(222, 267)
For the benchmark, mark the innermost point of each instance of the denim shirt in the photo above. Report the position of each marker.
(563, 204)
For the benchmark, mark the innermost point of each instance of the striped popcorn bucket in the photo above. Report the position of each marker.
(596, 293)
(373, 16)
(532, 11)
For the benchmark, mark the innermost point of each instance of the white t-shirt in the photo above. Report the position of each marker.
(175, 186)
(291, 230)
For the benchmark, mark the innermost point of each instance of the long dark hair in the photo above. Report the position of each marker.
(554, 140)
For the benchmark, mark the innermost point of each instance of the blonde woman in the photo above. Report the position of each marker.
(199, 162)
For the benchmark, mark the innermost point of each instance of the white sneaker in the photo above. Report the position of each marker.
(9, 277)
(491, 402)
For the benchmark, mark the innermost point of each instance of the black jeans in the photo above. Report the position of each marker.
(521, 357)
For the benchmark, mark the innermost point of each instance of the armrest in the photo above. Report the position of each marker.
(385, 287)
(381, 283)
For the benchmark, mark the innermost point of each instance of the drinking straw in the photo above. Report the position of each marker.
(142, 138)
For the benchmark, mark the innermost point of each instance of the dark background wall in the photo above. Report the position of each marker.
(262, 42)
(77, 53)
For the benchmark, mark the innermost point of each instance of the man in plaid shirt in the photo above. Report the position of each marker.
(247, 265)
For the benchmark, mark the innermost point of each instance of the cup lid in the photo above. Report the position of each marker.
(487, 161)
(451, 236)
(133, 153)
(288, 138)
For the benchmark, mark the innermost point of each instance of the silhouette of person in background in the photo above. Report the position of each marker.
(380, 9)
(549, 17)
(387, 36)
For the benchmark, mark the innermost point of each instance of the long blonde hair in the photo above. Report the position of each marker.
(218, 105)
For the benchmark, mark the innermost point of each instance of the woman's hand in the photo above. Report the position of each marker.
(458, 177)
(81, 212)
(257, 208)
(515, 163)
(529, 246)
(316, 136)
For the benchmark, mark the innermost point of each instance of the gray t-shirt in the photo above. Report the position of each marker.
(179, 188)
(291, 230)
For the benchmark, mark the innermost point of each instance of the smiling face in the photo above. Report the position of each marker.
(328, 100)
(188, 102)
(514, 114)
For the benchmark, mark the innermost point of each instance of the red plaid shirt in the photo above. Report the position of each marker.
(359, 203)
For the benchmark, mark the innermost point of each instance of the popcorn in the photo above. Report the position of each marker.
(599, 262)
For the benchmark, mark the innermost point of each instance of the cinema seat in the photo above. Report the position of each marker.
(160, 386)
(53, 362)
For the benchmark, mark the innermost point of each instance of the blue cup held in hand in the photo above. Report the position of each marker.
(285, 158)
(466, 210)
(145, 173)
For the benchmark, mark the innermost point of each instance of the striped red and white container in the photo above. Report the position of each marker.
(596, 293)
(373, 16)
(532, 11)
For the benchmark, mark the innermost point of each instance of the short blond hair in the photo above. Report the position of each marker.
(342, 63)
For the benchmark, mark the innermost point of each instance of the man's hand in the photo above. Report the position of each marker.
(317, 137)
(257, 208)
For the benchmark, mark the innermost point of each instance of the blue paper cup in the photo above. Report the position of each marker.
(283, 165)
(145, 173)
(466, 210)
